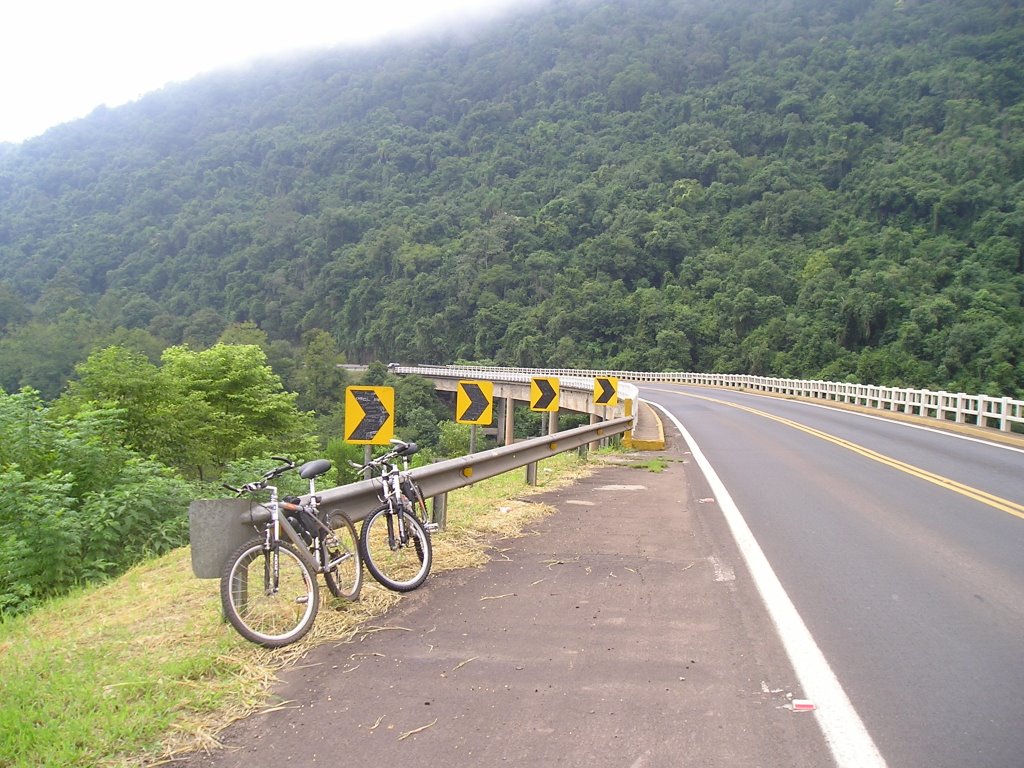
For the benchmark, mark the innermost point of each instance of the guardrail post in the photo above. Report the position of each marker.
(440, 510)
(531, 474)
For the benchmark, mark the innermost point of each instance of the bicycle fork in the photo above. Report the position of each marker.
(401, 541)
(272, 556)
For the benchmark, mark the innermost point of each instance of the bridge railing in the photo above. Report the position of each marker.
(982, 410)
(576, 387)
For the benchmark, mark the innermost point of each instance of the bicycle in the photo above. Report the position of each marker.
(395, 537)
(268, 588)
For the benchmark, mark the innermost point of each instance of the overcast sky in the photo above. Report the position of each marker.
(60, 59)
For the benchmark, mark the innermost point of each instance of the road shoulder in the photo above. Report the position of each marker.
(622, 630)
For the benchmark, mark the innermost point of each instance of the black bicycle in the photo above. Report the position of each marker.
(269, 589)
(395, 537)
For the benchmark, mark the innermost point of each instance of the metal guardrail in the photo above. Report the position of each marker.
(218, 527)
(357, 499)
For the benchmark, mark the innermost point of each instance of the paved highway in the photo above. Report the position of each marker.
(902, 551)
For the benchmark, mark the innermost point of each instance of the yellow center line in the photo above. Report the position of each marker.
(996, 502)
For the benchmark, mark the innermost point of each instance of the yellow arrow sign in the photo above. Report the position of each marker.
(474, 402)
(369, 415)
(544, 394)
(606, 390)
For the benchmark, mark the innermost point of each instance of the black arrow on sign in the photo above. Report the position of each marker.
(478, 402)
(375, 415)
(547, 394)
(607, 391)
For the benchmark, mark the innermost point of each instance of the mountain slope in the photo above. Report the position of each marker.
(773, 187)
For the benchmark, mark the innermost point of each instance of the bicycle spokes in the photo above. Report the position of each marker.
(396, 549)
(270, 597)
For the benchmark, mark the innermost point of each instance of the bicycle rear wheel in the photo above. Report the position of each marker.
(344, 568)
(399, 563)
(265, 610)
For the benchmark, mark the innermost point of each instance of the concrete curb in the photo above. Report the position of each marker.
(649, 432)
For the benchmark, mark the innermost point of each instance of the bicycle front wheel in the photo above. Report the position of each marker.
(343, 570)
(269, 606)
(396, 549)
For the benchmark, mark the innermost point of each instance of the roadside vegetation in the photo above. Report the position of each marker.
(142, 668)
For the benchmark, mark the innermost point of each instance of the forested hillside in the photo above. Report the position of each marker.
(791, 187)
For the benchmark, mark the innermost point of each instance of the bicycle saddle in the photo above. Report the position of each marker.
(314, 468)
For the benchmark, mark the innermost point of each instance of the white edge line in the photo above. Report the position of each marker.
(847, 738)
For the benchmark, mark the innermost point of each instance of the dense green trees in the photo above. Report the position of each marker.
(95, 481)
(793, 188)
(197, 410)
(787, 187)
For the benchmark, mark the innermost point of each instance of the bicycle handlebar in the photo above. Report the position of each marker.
(259, 485)
(402, 448)
(288, 464)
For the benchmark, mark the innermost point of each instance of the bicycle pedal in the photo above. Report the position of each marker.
(431, 527)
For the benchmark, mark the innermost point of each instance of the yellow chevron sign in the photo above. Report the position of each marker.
(606, 390)
(369, 415)
(544, 394)
(474, 402)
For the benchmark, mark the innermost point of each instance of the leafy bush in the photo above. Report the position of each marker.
(76, 506)
(454, 439)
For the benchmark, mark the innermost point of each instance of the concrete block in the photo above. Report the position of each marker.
(215, 531)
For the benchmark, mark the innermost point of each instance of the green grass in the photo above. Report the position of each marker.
(142, 668)
(654, 465)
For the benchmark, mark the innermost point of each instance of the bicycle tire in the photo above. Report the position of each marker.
(345, 579)
(271, 618)
(404, 567)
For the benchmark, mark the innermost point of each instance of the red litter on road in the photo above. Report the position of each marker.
(803, 705)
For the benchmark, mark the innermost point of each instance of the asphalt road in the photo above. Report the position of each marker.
(901, 549)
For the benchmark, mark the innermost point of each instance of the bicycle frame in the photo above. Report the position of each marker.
(278, 523)
(410, 490)
(290, 555)
(394, 482)
(395, 525)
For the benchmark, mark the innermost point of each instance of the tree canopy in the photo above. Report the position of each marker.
(101, 478)
(76, 504)
(783, 187)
